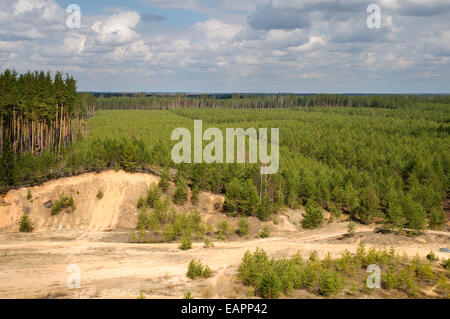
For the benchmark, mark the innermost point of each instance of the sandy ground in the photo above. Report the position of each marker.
(95, 237)
(35, 265)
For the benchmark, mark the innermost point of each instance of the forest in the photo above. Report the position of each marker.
(377, 158)
(36, 111)
(143, 101)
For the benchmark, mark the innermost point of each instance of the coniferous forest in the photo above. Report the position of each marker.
(377, 158)
(36, 111)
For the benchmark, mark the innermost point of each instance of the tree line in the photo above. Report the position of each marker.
(36, 111)
(142, 101)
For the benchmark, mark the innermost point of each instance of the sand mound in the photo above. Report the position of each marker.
(117, 208)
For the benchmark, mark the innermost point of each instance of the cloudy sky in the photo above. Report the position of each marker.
(233, 46)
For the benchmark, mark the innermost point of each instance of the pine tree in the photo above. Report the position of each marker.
(181, 192)
(165, 179)
(195, 194)
(7, 162)
(129, 157)
(313, 217)
(249, 199)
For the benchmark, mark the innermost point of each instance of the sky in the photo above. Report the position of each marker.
(213, 46)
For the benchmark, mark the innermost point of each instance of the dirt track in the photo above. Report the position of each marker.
(36, 267)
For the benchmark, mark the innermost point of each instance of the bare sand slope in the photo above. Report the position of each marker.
(117, 208)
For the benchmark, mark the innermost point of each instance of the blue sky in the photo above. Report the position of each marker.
(170, 17)
(299, 46)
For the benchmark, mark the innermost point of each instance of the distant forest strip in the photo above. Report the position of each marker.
(143, 101)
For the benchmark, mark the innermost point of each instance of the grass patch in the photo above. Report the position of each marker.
(185, 243)
(62, 203)
(99, 194)
(197, 269)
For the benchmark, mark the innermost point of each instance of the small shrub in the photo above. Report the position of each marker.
(353, 289)
(330, 283)
(209, 228)
(431, 256)
(206, 272)
(265, 209)
(144, 220)
(165, 179)
(243, 226)
(313, 217)
(407, 282)
(446, 264)
(188, 295)
(62, 203)
(345, 264)
(29, 195)
(276, 221)
(181, 192)
(390, 279)
(437, 219)
(208, 243)
(195, 194)
(197, 269)
(309, 276)
(224, 229)
(161, 211)
(252, 265)
(444, 286)
(360, 254)
(265, 232)
(141, 295)
(153, 195)
(185, 243)
(422, 270)
(416, 218)
(270, 284)
(351, 229)
(335, 212)
(218, 205)
(25, 224)
(141, 203)
(99, 194)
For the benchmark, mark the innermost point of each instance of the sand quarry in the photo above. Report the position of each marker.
(96, 238)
